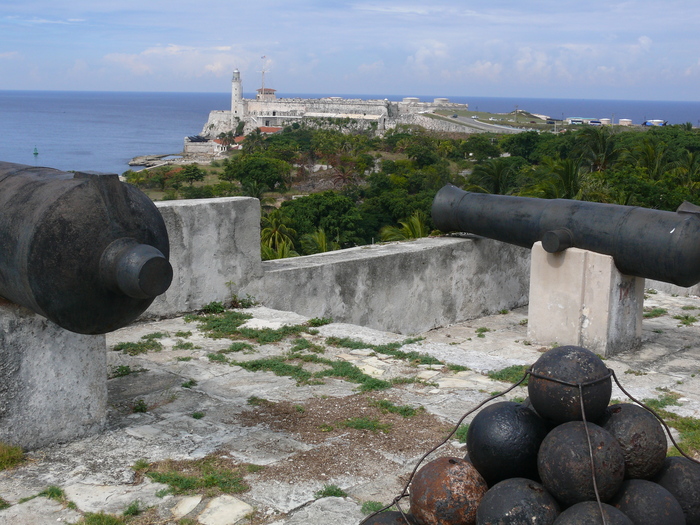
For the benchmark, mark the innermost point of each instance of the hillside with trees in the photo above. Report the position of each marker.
(325, 189)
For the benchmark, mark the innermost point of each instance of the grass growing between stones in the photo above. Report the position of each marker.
(3, 504)
(651, 313)
(10, 456)
(387, 406)
(390, 349)
(510, 374)
(212, 475)
(688, 427)
(330, 491)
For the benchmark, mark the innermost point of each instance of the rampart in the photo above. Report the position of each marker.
(405, 287)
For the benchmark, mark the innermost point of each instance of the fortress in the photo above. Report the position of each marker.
(266, 110)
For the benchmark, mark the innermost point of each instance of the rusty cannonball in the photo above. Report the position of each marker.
(564, 463)
(503, 440)
(446, 491)
(588, 513)
(645, 502)
(517, 501)
(641, 437)
(392, 517)
(681, 477)
(574, 365)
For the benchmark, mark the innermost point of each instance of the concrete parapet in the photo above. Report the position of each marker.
(53, 383)
(406, 287)
(578, 297)
(213, 242)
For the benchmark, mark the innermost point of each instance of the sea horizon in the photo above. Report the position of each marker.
(103, 130)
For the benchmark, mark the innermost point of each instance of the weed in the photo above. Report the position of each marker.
(266, 336)
(504, 311)
(189, 384)
(635, 372)
(461, 433)
(457, 368)
(224, 325)
(53, 492)
(10, 456)
(299, 409)
(214, 307)
(3, 504)
(523, 322)
(349, 372)
(346, 342)
(163, 492)
(481, 331)
(370, 507)
(686, 319)
(330, 491)
(140, 464)
(198, 415)
(651, 313)
(657, 331)
(184, 345)
(689, 307)
(304, 344)
(511, 374)
(252, 469)
(319, 321)
(276, 365)
(387, 406)
(154, 335)
(219, 358)
(364, 423)
(392, 349)
(518, 399)
(139, 406)
(184, 359)
(258, 401)
(651, 291)
(325, 427)
(141, 347)
(246, 302)
(134, 509)
(667, 399)
(124, 370)
(100, 518)
(183, 334)
(239, 346)
(210, 472)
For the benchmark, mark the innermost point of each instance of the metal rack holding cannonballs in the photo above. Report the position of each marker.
(563, 457)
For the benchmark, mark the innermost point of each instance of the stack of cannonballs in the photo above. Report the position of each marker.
(531, 463)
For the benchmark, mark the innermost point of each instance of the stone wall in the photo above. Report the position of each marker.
(405, 287)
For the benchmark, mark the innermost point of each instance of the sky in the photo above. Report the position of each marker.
(592, 49)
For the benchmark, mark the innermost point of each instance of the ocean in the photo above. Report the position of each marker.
(102, 131)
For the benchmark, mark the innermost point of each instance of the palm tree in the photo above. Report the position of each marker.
(254, 141)
(318, 242)
(651, 154)
(598, 145)
(276, 231)
(560, 179)
(414, 227)
(284, 250)
(495, 176)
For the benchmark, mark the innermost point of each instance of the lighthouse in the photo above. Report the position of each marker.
(237, 107)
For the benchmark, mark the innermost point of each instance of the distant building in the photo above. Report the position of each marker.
(266, 110)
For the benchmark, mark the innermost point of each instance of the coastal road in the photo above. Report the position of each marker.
(483, 126)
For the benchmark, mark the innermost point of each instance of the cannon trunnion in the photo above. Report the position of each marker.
(84, 250)
(653, 244)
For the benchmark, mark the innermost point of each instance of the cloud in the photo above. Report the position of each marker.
(132, 63)
(375, 67)
(10, 55)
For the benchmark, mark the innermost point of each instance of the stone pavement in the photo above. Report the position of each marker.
(311, 424)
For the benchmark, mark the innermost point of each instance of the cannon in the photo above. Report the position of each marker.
(82, 249)
(653, 244)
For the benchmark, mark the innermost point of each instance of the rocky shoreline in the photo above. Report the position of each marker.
(169, 159)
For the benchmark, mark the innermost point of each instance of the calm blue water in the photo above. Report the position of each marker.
(102, 131)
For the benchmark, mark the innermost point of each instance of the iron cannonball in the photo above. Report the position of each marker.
(641, 437)
(681, 477)
(564, 463)
(517, 501)
(574, 365)
(392, 517)
(648, 503)
(503, 440)
(446, 491)
(588, 513)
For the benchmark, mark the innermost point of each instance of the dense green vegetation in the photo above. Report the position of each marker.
(382, 187)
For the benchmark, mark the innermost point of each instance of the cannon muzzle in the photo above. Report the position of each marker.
(84, 250)
(653, 244)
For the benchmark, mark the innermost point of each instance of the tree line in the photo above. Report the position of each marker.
(383, 187)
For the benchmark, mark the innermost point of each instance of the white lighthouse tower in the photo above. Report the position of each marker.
(237, 105)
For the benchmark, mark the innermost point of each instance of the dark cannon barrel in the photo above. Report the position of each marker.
(653, 244)
(84, 250)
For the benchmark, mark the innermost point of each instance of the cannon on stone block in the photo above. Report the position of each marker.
(652, 244)
(84, 250)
